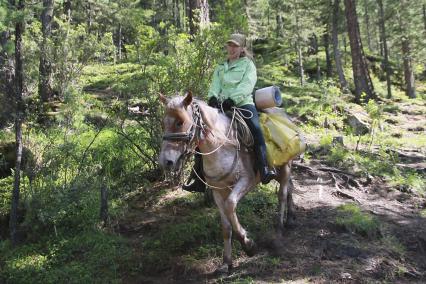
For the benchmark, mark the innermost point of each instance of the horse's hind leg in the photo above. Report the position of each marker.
(291, 216)
(283, 197)
(227, 234)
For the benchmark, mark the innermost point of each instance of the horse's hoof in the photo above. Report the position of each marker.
(224, 269)
(250, 248)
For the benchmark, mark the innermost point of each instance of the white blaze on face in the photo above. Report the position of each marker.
(170, 154)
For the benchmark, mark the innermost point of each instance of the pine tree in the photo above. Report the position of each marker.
(45, 66)
(336, 49)
(361, 74)
(19, 113)
(386, 66)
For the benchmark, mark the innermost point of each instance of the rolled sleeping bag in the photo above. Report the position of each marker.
(268, 97)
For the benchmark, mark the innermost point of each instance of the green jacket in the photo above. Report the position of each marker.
(235, 81)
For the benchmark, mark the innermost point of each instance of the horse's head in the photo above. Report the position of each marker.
(178, 131)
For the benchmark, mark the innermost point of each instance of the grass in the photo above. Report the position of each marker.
(391, 243)
(92, 256)
(354, 220)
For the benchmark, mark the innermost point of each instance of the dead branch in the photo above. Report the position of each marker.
(336, 184)
(340, 193)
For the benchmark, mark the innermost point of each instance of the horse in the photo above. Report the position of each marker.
(229, 169)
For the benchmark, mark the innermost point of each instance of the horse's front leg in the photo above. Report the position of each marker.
(240, 189)
(226, 231)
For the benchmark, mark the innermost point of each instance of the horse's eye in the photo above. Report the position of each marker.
(179, 123)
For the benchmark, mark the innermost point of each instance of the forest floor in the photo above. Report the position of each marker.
(362, 231)
(317, 249)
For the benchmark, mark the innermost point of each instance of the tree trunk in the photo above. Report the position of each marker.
(280, 26)
(386, 66)
(19, 77)
(203, 12)
(104, 203)
(410, 88)
(119, 42)
(336, 50)
(424, 22)
(380, 45)
(367, 25)
(300, 64)
(327, 53)
(361, 75)
(318, 67)
(299, 48)
(345, 48)
(45, 66)
(67, 10)
(424, 16)
(89, 22)
(176, 12)
(191, 17)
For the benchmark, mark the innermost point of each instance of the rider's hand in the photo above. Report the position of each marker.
(228, 104)
(213, 102)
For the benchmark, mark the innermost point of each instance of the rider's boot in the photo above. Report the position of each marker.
(196, 183)
(266, 174)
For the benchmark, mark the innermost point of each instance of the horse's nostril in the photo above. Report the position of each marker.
(169, 163)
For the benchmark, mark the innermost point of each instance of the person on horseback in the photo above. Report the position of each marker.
(232, 86)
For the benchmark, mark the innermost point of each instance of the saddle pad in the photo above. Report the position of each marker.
(283, 141)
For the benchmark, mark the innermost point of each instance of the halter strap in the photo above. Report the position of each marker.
(189, 136)
(179, 136)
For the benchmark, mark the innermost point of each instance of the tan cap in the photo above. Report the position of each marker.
(237, 39)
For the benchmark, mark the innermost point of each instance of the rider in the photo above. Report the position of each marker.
(232, 86)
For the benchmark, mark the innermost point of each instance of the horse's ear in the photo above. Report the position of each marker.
(188, 99)
(163, 98)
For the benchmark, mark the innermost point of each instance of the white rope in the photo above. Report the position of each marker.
(241, 110)
(244, 134)
(224, 142)
(209, 185)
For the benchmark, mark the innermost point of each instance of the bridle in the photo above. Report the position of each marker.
(190, 136)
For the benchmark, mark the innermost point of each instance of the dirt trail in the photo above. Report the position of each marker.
(317, 249)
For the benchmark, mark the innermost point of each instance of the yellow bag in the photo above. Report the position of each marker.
(283, 141)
